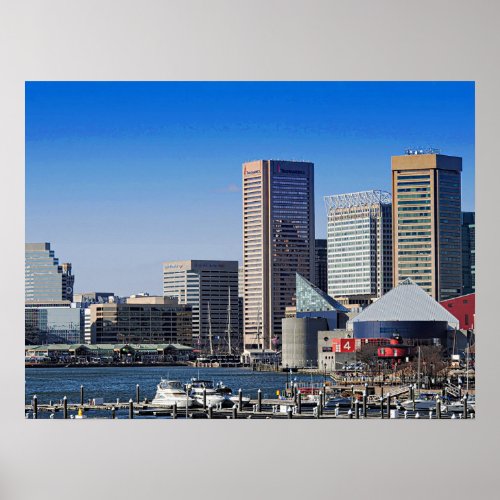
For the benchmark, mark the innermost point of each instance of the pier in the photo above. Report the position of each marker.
(377, 405)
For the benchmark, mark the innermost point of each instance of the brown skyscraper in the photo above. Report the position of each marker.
(278, 241)
(426, 222)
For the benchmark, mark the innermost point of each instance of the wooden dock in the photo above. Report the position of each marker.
(265, 409)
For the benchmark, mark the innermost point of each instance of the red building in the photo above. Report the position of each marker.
(463, 308)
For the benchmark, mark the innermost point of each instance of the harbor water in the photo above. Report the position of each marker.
(112, 383)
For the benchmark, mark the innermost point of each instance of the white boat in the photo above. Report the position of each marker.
(235, 400)
(458, 406)
(229, 396)
(196, 389)
(170, 392)
(421, 403)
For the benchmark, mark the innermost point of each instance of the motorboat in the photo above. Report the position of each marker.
(458, 406)
(229, 397)
(196, 388)
(422, 402)
(170, 393)
(340, 401)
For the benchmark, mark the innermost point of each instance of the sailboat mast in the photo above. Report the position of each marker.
(229, 322)
(258, 328)
(467, 365)
(210, 331)
(418, 369)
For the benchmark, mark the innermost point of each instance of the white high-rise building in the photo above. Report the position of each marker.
(359, 246)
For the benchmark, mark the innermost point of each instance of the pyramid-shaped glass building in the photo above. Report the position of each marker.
(310, 298)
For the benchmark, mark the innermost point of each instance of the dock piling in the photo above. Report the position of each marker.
(210, 412)
(289, 411)
(388, 405)
(130, 408)
(204, 398)
(35, 407)
(464, 399)
(81, 395)
(240, 399)
(299, 402)
(174, 411)
(137, 394)
(365, 399)
(259, 400)
(381, 407)
(65, 407)
(356, 409)
(113, 412)
(438, 407)
(235, 412)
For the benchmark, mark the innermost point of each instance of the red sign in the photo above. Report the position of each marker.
(347, 345)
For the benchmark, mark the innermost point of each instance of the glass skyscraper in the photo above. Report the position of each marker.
(45, 278)
(468, 252)
(321, 265)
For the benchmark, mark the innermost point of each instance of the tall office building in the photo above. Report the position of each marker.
(321, 265)
(207, 285)
(426, 221)
(359, 246)
(45, 278)
(468, 252)
(278, 241)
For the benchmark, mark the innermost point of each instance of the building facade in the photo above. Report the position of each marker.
(426, 222)
(46, 279)
(463, 308)
(359, 245)
(321, 264)
(53, 325)
(278, 241)
(468, 252)
(210, 287)
(141, 320)
(407, 311)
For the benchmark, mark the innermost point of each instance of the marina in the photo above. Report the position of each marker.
(280, 396)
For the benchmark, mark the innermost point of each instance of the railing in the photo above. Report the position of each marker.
(454, 390)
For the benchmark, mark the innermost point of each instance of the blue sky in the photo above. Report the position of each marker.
(121, 176)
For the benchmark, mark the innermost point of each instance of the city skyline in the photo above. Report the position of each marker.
(139, 191)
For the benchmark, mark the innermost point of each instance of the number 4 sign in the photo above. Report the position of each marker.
(347, 345)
